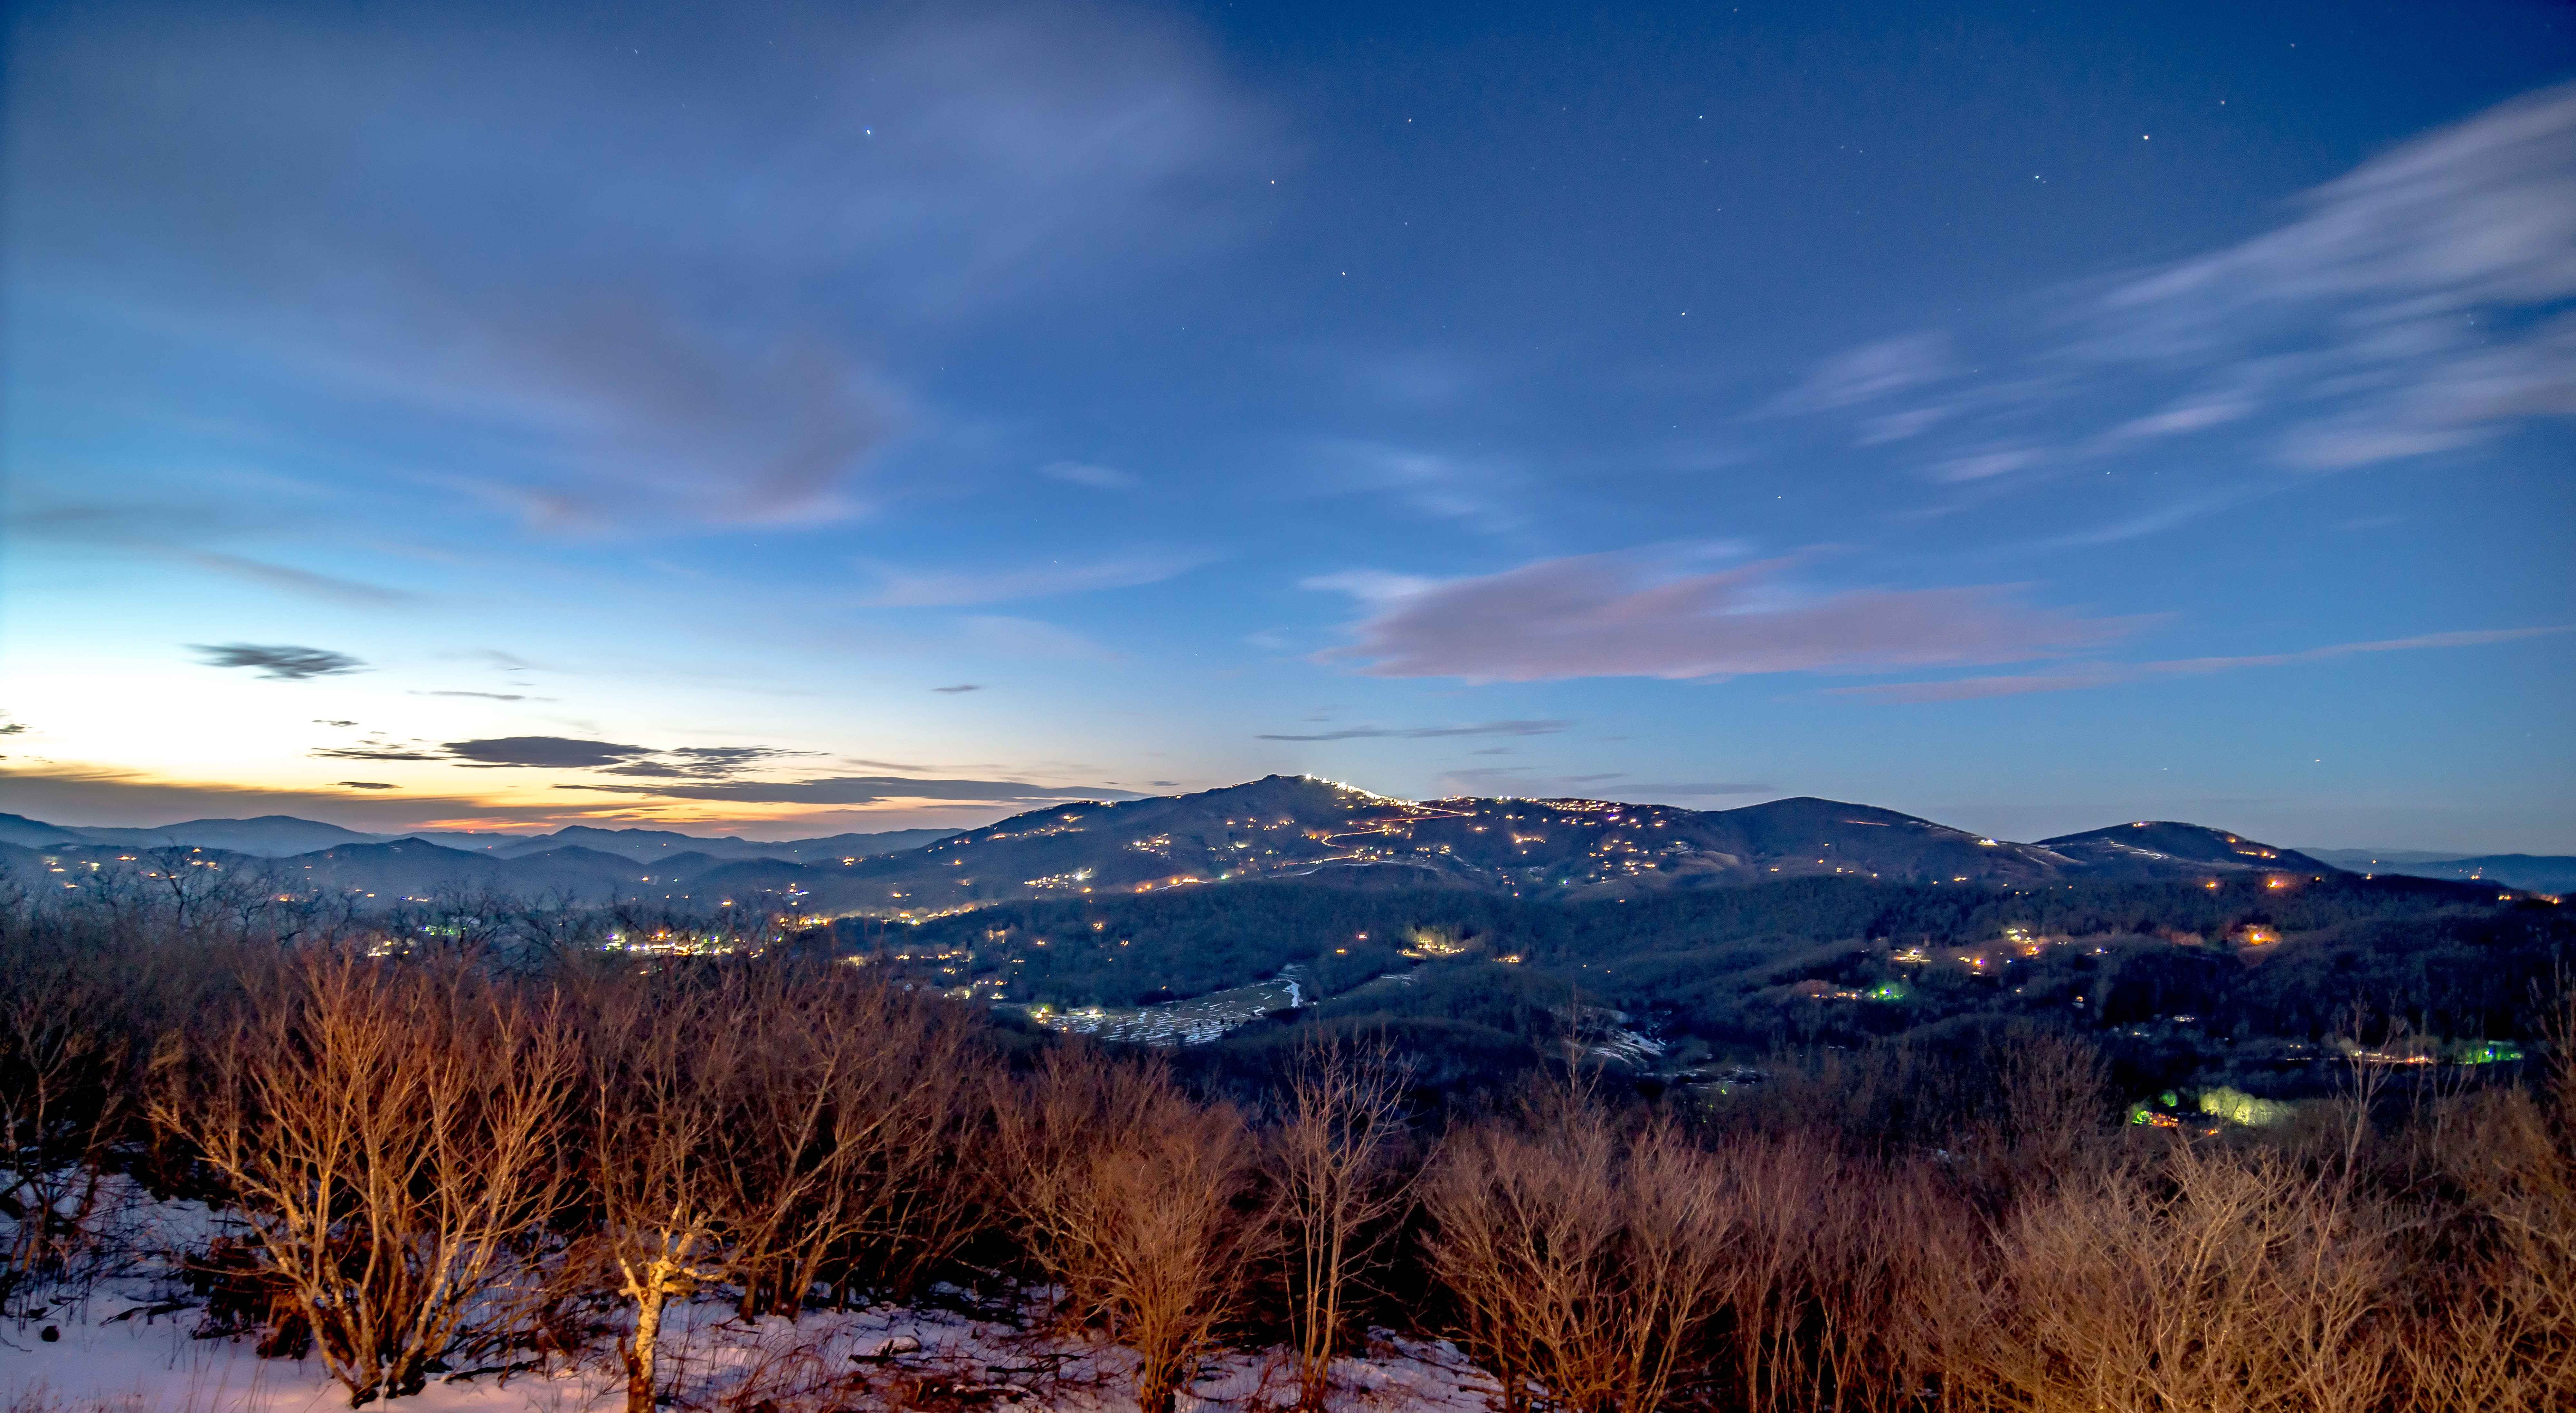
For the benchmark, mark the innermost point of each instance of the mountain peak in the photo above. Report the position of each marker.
(2154, 844)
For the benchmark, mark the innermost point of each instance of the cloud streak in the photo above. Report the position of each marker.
(1519, 782)
(2416, 305)
(862, 790)
(1419, 733)
(903, 589)
(283, 662)
(1617, 615)
(2116, 674)
(598, 260)
(1871, 372)
(574, 753)
(295, 581)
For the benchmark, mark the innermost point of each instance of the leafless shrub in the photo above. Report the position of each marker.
(1583, 1256)
(2500, 1330)
(1830, 1274)
(65, 1097)
(846, 1127)
(2215, 1281)
(2006, 1106)
(1333, 1158)
(662, 1063)
(390, 1132)
(1134, 1201)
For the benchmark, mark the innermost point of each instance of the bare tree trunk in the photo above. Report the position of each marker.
(663, 1061)
(1332, 1159)
(1133, 1199)
(389, 1130)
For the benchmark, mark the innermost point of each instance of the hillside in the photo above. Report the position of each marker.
(2245, 981)
(2539, 873)
(285, 836)
(1279, 827)
(1576, 850)
(2161, 848)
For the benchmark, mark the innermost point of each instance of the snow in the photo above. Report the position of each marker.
(130, 1344)
(1195, 1021)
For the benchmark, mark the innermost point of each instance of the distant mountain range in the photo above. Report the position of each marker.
(2538, 873)
(282, 836)
(1276, 827)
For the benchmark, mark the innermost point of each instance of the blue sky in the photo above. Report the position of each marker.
(796, 418)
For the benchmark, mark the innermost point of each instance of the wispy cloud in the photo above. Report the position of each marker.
(2413, 306)
(2426, 287)
(2115, 674)
(284, 662)
(862, 790)
(295, 581)
(1417, 733)
(900, 588)
(1521, 782)
(573, 753)
(960, 687)
(1027, 637)
(1617, 615)
(1098, 478)
(1871, 372)
(1474, 493)
(613, 371)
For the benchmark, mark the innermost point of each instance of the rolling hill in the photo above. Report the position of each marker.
(1576, 850)
(284, 836)
(2539, 873)
(2159, 848)
(1278, 827)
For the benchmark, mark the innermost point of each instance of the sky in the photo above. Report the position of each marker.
(784, 419)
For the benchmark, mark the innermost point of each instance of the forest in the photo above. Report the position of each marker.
(2240, 982)
(511, 1157)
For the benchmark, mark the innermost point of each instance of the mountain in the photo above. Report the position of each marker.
(2159, 848)
(2380, 860)
(1278, 827)
(28, 833)
(402, 869)
(282, 836)
(271, 835)
(1297, 826)
(656, 846)
(2537, 873)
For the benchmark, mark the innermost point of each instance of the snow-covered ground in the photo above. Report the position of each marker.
(1195, 1021)
(874, 1359)
(126, 1349)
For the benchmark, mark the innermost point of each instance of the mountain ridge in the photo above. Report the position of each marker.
(286, 836)
(1279, 826)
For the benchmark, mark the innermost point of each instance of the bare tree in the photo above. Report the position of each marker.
(390, 1132)
(1134, 1198)
(1333, 1157)
(2501, 1334)
(1583, 1258)
(848, 1126)
(2214, 1282)
(65, 1067)
(662, 1061)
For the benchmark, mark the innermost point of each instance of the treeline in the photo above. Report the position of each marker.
(452, 1156)
(1725, 967)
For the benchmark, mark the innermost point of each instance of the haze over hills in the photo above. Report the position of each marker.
(2149, 849)
(1575, 850)
(282, 836)
(1278, 827)
(2540, 873)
